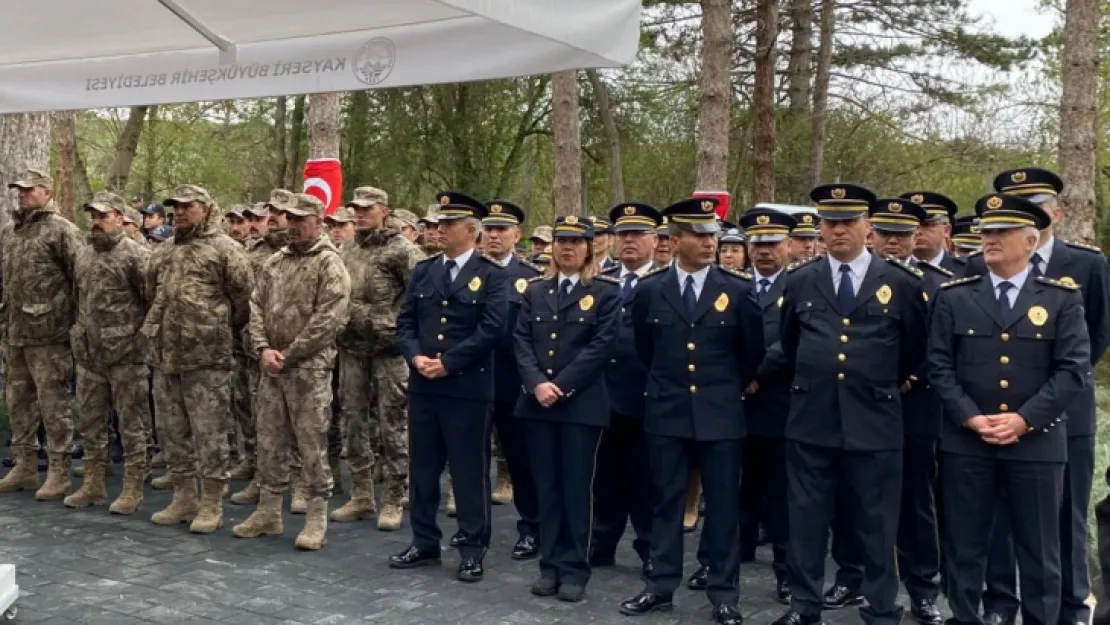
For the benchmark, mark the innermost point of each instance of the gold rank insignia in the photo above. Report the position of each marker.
(475, 284)
(444, 201)
(1068, 280)
(1038, 315)
(722, 303)
(883, 295)
(586, 303)
(521, 285)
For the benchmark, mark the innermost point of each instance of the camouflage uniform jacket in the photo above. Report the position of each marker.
(381, 263)
(38, 256)
(202, 286)
(259, 249)
(111, 302)
(299, 305)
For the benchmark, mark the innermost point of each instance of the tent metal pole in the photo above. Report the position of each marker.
(228, 52)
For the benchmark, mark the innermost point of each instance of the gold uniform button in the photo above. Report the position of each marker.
(843, 338)
(970, 332)
(1003, 384)
(1005, 336)
(690, 346)
(554, 336)
(1004, 360)
(847, 321)
(549, 372)
(693, 389)
(439, 336)
(840, 376)
(1004, 407)
(443, 319)
(841, 357)
(551, 352)
(443, 303)
(691, 366)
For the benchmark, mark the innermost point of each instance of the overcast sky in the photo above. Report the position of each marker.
(1015, 17)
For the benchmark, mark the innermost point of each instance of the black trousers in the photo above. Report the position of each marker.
(720, 461)
(918, 540)
(563, 457)
(873, 481)
(763, 498)
(970, 486)
(845, 544)
(456, 432)
(1001, 595)
(514, 446)
(623, 488)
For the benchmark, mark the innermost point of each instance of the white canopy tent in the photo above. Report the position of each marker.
(76, 54)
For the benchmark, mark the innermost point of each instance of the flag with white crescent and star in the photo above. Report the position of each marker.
(323, 178)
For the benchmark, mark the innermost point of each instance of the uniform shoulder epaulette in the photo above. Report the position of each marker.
(957, 282)
(529, 264)
(489, 259)
(1083, 246)
(937, 268)
(609, 279)
(536, 279)
(743, 275)
(913, 271)
(975, 253)
(802, 263)
(1068, 286)
(431, 258)
(654, 272)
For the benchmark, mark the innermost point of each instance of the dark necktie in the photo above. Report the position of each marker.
(764, 286)
(629, 282)
(564, 291)
(689, 297)
(846, 293)
(1004, 299)
(1035, 263)
(448, 267)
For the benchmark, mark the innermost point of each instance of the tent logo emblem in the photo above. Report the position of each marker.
(374, 61)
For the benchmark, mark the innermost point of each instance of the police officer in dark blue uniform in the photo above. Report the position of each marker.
(699, 333)
(564, 338)
(622, 489)
(603, 238)
(1008, 352)
(966, 237)
(931, 240)
(1086, 267)
(500, 232)
(853, 333)
(804, 236)
(451, 319)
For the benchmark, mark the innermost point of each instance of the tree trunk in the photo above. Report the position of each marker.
(281, 133)
(715, 104)
(568, 143)
(126, 146)
(612, 137)
(295, 134)
(24, 142)
(324, 112)
(65, 183)
(1079, 119)
(763, 102)
(821, 95)
(800, 68)
(151, 155)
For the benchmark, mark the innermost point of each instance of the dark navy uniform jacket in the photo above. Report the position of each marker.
(698, 366)
(506, 381)
(1033, 362)
(921, 406)
(958, 266)
(569, 345)
(766, 410)
(849, 365)
(626, 377)
(1086, 267)
(460, 324)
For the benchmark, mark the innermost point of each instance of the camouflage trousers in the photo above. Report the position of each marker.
(293, 414)
(192, 409)
(241, 425)
(123, 388)
(38, 391)
(375, 413)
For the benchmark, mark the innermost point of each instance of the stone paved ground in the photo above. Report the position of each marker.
(92, 568)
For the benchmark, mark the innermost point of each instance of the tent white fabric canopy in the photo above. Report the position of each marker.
(75, 54)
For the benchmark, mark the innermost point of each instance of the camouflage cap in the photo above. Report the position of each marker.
(542, 233)
(431, 216)
(303, 205)
(31, 178)
(238, 211)
(342, 215)
(365, 197)
(106, 202)
(187, 193)
(133, 216)
(406, 217)
(281, 200)
(258, 209)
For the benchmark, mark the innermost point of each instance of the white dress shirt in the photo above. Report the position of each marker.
(504, 263)
(460, 260)
(857, 269)
(699, 279)
(1046, 254)
(936, 260)
(563, 277)
(1018, 281)
(638, 272)
(771, 278)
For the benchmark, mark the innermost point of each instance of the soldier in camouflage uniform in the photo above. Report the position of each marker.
(375, 375)
(38, 257)
(203, 290)
(158, 255)
(111, 307)
(132, 226)
(298, 306)
(237, 226)
(341, 226)
(241, 426)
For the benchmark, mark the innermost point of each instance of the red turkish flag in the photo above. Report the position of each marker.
(722, 198)
(323, 178)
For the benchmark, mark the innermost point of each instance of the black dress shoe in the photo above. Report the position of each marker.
(727, 614)
(525, 548)
(572, 593)
(841, 597)
(470, 570)
(545, 586)
(925, 611)
(600, 560)
(413, 557)
(646, 603)
(456, 539)
(794, 618)
(994, 618)
(699, 580)
(782, 592)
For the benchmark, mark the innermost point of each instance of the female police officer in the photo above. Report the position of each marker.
(564, 336)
